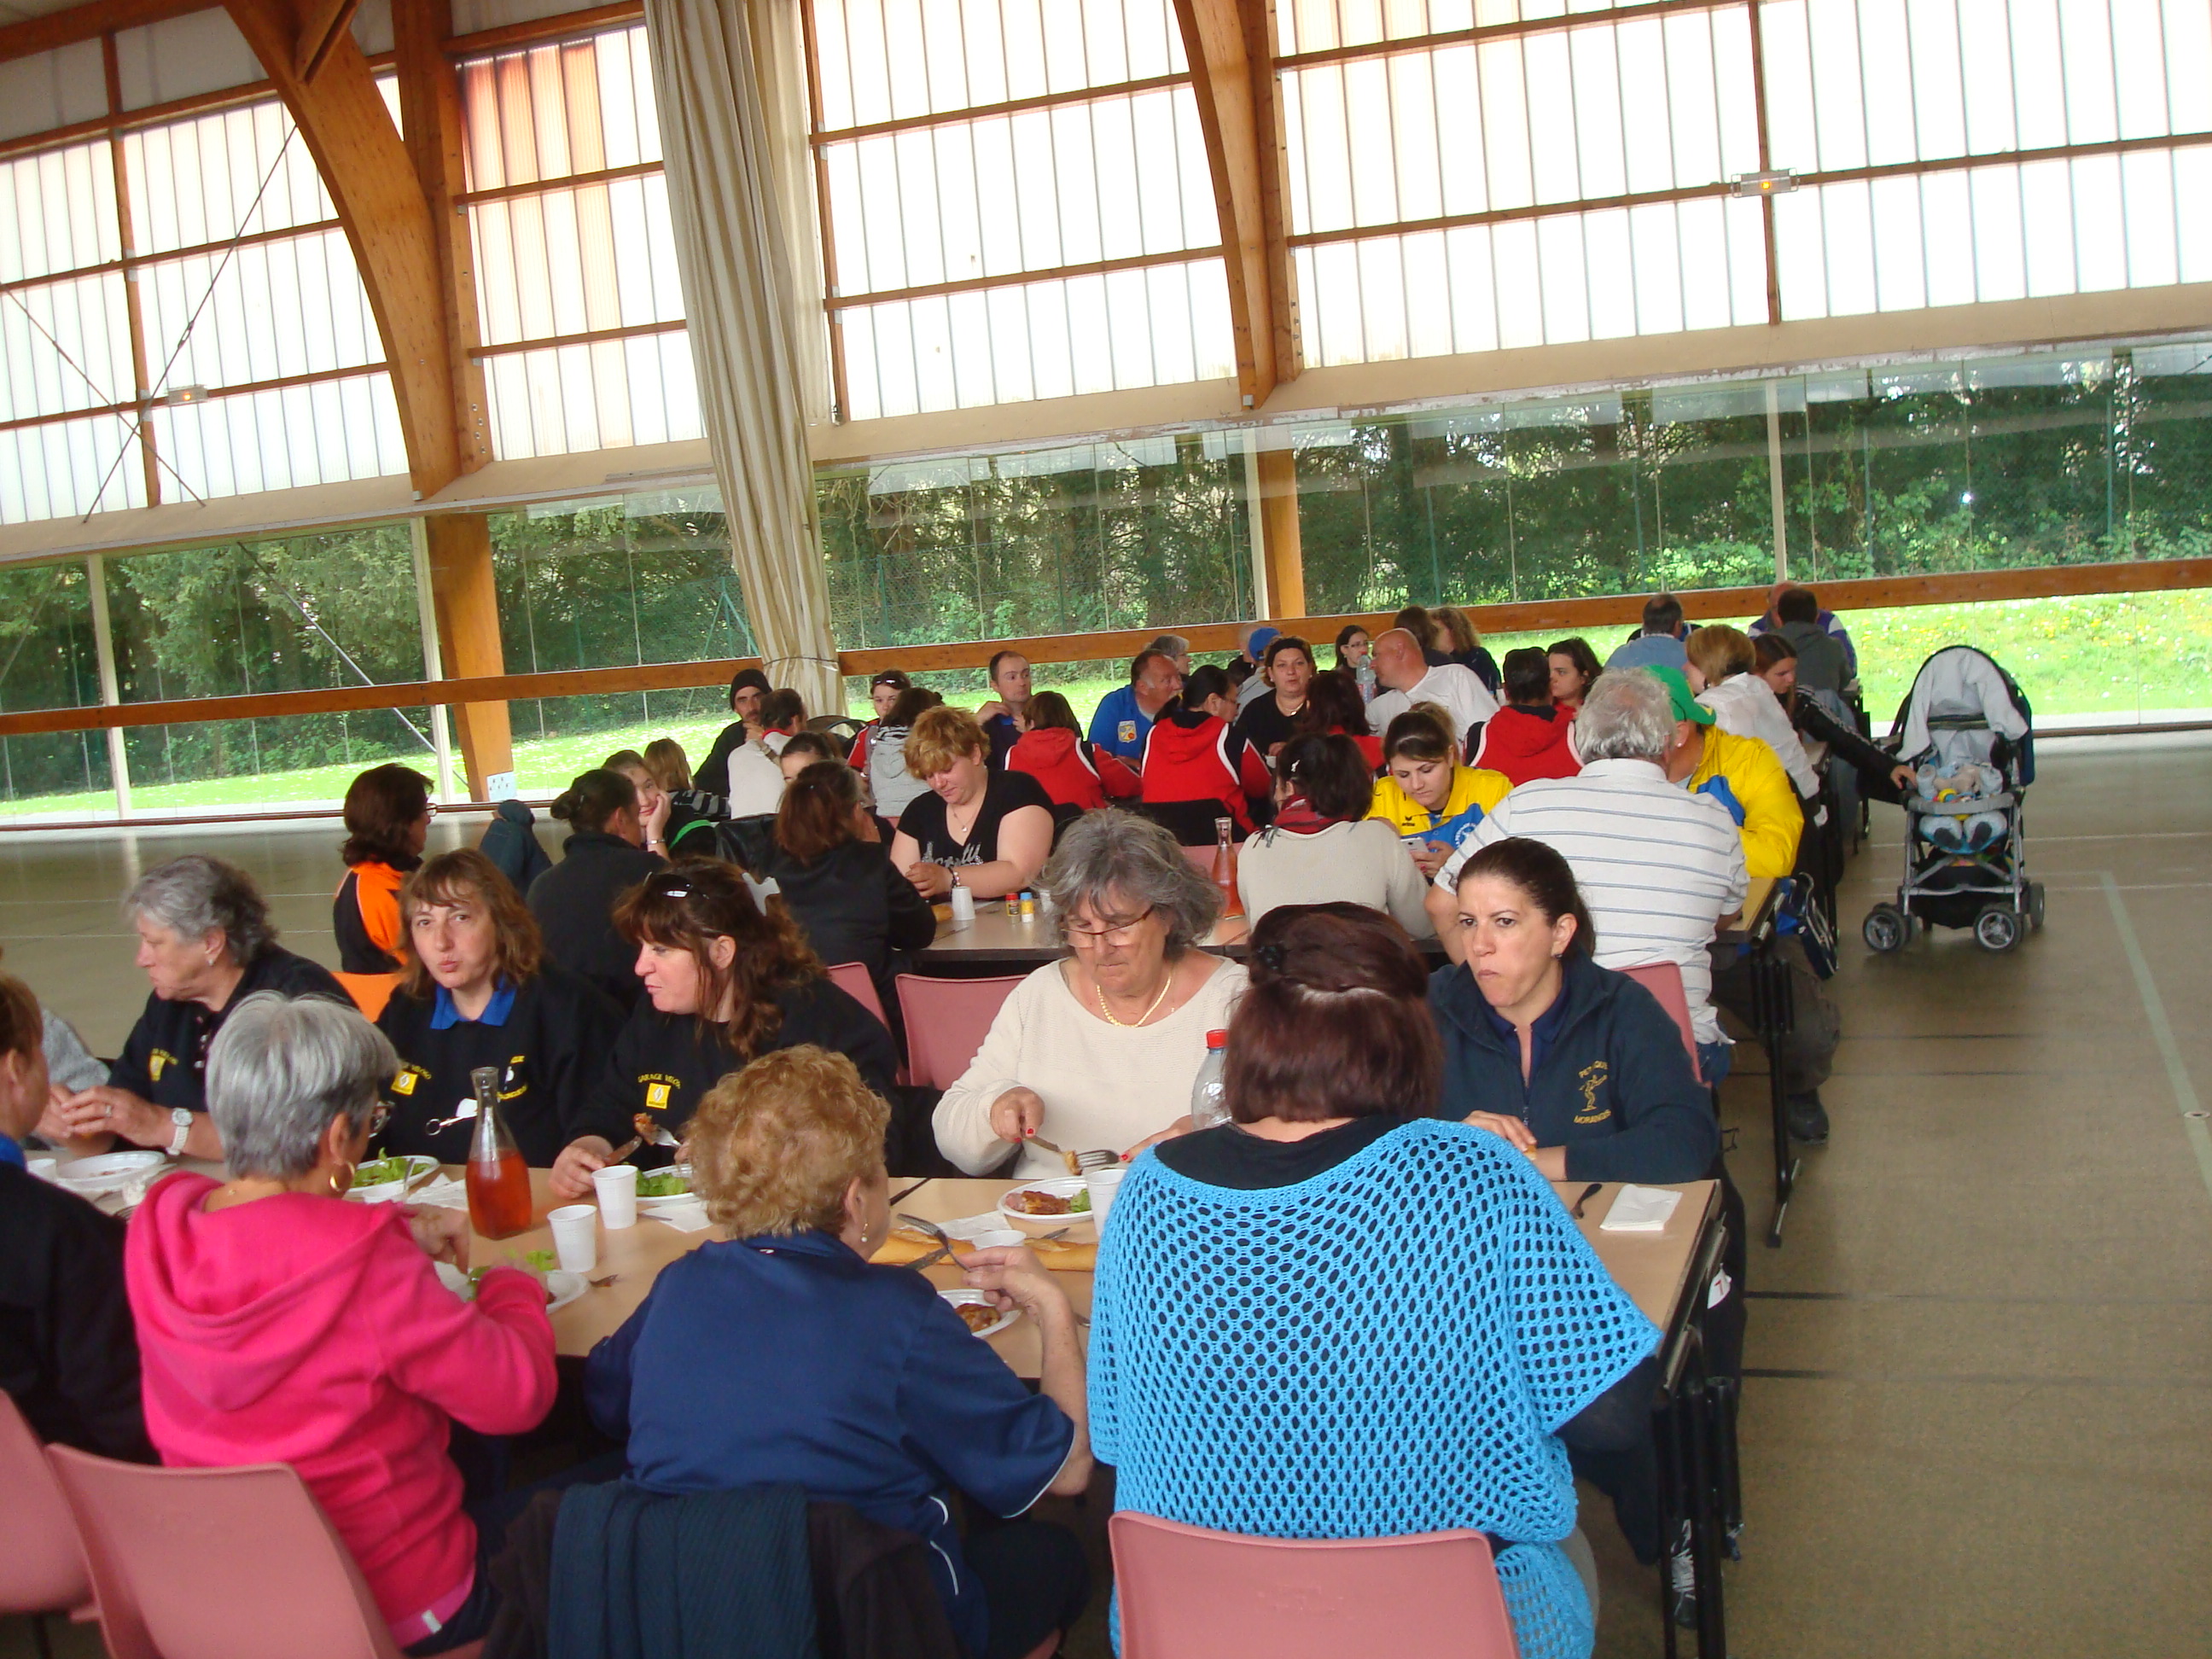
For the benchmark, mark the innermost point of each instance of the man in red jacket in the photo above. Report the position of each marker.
(1527, 738)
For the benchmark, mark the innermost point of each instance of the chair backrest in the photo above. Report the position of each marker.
(946, 1021)
(1190, 1592)
(1202, 858)
(217, 1564)
(854, 980)
(41, 1566)
(1664, 981)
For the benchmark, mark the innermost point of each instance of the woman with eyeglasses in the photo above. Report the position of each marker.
(724, 983)
(1099, 1050)
(477, 991)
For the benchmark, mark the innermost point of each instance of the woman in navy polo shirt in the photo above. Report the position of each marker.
(783, 1357)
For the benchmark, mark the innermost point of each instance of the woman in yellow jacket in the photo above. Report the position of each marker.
(1426, 795)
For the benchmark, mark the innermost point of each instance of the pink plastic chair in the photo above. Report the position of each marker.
(946, 1021)
(41, 1565)
(1201, 858)
(1664, 981)
(1190, 1592)
(218, 1563)
(854, 980)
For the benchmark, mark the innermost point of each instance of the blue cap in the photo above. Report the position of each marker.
(1263, 637)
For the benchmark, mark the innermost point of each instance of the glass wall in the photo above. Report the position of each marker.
(47, 660)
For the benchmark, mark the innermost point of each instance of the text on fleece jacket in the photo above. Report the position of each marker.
(302, 1330)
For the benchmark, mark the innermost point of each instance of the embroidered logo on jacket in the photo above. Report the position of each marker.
(1593, 1078)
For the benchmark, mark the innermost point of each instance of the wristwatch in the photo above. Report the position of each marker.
(182, 1118)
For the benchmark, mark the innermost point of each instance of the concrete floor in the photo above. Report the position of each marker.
(1979, 1419)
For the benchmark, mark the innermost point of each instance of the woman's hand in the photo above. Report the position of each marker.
(1512, 1128)
(1428, 856)
(572, 1170)
(1016, 1115)
(443, 1234)
(656, 821)
(1182, 1126)
(1012, 1277)
(931, 881)
(1904, 776)
(104, 1110)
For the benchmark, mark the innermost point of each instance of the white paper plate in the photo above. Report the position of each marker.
(649, 1205)
(110, 1172)
(976, 1299)
(1060, 1187)
(383, 1192)
(561, 1287)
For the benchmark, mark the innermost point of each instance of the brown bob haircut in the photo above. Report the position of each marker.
(1419, 735)
(940, 737)
(1330, 772)
(670, 768)
(816, 817)
(381, 805)
(1720, 651)
(22, 1028)
(467, 877)
(776, 1145)
(694, 902)
(1049, 711)
(1337, 1022)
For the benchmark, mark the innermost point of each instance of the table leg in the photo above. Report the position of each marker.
(1775, 1015)
(1694, 1426)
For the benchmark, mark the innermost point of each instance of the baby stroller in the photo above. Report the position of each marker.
(1966, 854)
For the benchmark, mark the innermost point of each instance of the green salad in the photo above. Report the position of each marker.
(378, 1172)
(540, 1262)
(662, 1183)
(1080, 1204)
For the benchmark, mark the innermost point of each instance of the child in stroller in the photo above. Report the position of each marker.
(1966, 729)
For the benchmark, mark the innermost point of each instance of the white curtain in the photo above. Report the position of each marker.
(749, 318)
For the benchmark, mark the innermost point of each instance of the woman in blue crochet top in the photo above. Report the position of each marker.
(1318, 1253)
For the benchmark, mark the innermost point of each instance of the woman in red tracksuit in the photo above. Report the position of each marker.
(1194, 759)
(1053, 751)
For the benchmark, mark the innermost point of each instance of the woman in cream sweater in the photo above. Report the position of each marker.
(1099, 1049)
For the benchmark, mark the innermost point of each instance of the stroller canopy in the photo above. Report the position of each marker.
(1962, 704)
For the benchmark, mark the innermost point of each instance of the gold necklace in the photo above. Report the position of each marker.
(1166, 986)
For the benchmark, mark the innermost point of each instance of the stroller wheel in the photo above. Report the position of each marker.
(1885, 929)
(1997, 928)
(2035, 905)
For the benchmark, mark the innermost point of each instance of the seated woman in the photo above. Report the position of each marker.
(1199, 767)
(1460, 642)
(1574, 1064)
(1352, 649)
(1463, 1250)
(662, 820)
(987, 831)
(1881, 775)
(1335, 709)
(692, 812)
(1426, 795)
(724, 984)
(895, 788)
(1269, 721)
(68, 1357)
(387, 820)
(781, 1357)
(1098, 1051)
(206, 944)
(609, 851)
(1323, 845)
(479, 992)
(883, 693)
(1077, 774)
(837, 880)
(280, 1324)
(1574, 666)
(1719, 665)
(801, 750)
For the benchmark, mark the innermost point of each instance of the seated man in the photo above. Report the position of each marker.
(1005, 717)
(1659, 644)
(1252, 643)
(1771, 622)
(1125, 715)
(1402, 669)
(1657, 867)
(1528, 739)
(1825, 661)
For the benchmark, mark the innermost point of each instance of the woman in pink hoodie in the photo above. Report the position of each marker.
(278, 1324)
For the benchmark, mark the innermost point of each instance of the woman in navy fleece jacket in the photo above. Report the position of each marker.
(1575, 1065)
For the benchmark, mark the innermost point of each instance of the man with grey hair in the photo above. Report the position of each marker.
(1658, 867)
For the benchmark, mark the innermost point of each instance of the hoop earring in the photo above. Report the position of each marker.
(338, 1188)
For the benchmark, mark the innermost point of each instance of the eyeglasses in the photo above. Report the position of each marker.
(1120, 932)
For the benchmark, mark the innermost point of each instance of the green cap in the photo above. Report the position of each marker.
(1686, 706)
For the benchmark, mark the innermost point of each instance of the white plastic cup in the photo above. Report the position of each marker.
(576, 1237)
(45, 1168)
(964, 907)
(1102, 1184)
(617, 1186)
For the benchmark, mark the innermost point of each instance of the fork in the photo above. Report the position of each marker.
(1077, 1161)
(944, 1242)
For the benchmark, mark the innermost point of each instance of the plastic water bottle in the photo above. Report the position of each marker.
(1208, 1108)
(1365, 675)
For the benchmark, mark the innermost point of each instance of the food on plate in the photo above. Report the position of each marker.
(382, 1172)
(662, 1183)
(1028, 1201)
(980, 1315)
(648, 1128)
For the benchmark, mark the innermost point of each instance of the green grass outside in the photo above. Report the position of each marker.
(2110, 654)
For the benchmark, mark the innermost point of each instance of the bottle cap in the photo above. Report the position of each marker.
(1217, 1039)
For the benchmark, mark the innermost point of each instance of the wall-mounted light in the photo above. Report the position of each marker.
(1778, 183)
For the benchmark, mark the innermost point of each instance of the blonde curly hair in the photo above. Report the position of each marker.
(776, 1145)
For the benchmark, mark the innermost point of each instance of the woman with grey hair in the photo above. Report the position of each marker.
(206, 943)
(1099, 1049)
(278, 1323)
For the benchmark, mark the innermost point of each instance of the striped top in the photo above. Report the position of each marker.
(1657, 865)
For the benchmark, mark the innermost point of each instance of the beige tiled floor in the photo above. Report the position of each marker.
(1980, 1417)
